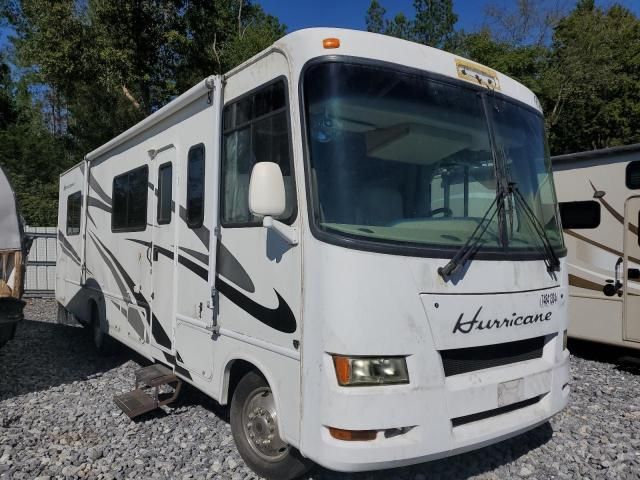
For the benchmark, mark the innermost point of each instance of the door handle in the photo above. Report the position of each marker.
(633, 273)
(155, 253)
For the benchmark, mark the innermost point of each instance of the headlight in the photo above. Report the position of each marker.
(564, 340)
(354, 371)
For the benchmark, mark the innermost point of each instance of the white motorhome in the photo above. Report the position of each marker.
(599, 195)
(350, 238)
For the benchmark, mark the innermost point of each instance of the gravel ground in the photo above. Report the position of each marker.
(57, 420)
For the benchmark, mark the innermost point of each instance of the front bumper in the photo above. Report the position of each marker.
(426, 416)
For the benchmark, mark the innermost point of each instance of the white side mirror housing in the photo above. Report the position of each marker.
(267, 199)
(266, 190)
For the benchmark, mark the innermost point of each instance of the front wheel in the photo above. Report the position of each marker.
(254, 424)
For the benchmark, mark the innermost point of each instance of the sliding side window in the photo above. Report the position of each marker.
(195, 187)
(165, 186)
(74, 209)
(130, 201)
(256, 129)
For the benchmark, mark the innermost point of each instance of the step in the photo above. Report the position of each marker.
(146, 395)
(135, 402)
(154, 376)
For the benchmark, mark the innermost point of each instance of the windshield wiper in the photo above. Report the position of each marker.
(473, 242)
(552, 261)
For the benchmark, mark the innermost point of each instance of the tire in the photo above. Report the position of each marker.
(274, 460)
(7, 332)
(101, 341)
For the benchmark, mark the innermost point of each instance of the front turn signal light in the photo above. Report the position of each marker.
(361, 371)
(352, 435)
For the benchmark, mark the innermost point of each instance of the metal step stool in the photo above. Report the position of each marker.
(140, 400)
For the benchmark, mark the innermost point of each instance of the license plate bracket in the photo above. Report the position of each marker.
(510, 392)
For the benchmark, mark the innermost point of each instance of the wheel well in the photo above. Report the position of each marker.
(238, 369)
(93, 311)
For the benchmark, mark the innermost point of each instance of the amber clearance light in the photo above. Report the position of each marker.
(352, 435)
(331, 42)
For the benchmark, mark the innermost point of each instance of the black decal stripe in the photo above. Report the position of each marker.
(94, 202)
(69, 254)
(159, 333)
(95, 186)
(190, 265)
(128, 280)
(157, 330)
(91, 218)
(203, 257)
(183, 371)
(280, 318)
(230, 268)
(65, 243)
(114, 271)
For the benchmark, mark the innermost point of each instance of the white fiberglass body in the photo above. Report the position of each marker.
(391, 154)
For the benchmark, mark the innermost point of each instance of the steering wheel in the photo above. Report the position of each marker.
(447, 212)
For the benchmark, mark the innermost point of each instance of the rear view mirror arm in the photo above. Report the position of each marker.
(288, 233)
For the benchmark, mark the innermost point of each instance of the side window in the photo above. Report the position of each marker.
(255, 129)
(165, 186)
(129, 211)
(195, 187)
(632, 175)
(577, 215)
(74, 209)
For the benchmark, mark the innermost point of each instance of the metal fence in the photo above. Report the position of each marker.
(40, 279)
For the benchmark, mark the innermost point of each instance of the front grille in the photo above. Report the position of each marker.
(464, 360)
(474, 417)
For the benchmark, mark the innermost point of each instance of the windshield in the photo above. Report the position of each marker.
(401, 158)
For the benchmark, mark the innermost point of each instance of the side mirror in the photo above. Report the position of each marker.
(267, 199)
(266, 190)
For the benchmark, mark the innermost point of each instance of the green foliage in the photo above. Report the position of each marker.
(592, 83)
(433, 22)
(90, 70)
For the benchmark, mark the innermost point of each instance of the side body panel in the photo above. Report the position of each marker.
(594, 253)
(259, 285)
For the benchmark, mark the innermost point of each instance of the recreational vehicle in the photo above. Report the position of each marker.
(351, 239)
(599, 195)
(14, 247)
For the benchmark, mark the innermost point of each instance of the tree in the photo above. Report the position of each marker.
(433, 22)
(591, 90)
(90, 70)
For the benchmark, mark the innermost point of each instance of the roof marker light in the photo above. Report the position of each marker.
(331, 43)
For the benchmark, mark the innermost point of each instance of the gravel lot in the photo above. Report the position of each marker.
(57, 420)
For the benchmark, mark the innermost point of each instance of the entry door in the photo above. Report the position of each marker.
(631, 271)
(162, 251)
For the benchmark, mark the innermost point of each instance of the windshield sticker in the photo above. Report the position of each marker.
(516, 320)
(478, 74)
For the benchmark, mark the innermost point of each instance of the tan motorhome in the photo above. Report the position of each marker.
(599, 198)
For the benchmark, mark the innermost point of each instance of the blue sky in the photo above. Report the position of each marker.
(298, 14)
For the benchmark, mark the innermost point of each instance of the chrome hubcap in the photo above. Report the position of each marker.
(260, 424)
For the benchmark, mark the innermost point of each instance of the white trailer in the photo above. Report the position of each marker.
(350, 238)
(599, 195)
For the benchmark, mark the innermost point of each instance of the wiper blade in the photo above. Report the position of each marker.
(552, 260)
(473, 242)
